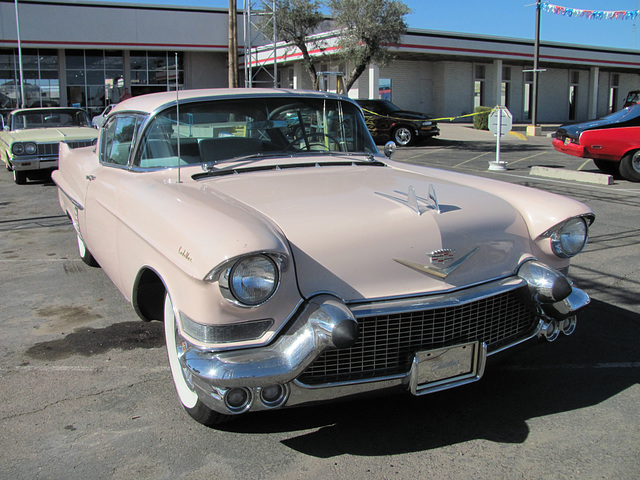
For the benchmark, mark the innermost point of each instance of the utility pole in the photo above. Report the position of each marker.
(233, 44)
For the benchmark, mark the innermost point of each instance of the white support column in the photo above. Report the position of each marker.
(594, 78)
(297, 72)
(374, 80)
(497, 66)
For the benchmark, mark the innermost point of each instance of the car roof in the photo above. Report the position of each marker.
(154, 101)
(45, 109)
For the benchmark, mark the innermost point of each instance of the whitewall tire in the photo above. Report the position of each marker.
(188, 396)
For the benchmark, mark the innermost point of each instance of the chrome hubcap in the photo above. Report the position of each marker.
(635, 162)
(403, 136)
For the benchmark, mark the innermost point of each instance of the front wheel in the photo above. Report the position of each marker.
(402, 136)
(630, 166)
(181, 377)
(20, 177)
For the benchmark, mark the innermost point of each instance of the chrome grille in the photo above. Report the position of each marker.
(80, 143)
(47, 149)
(387, 343)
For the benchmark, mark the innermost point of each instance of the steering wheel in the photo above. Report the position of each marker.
(310, 144)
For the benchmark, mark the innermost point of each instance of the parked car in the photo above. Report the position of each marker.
(293, 263)
(613, 142)
(386, 121)
(99, 120)
(29, 138)
(633, 98)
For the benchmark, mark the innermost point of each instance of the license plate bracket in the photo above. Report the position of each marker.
(447, 367)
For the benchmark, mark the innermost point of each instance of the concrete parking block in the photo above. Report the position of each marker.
(575, 175)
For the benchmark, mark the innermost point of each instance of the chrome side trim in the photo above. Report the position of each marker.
(75, 202)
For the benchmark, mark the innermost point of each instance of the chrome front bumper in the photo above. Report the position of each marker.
(265, 378)
(34, 163)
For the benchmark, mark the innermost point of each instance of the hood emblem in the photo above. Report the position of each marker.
(416, 203)
(438, 259)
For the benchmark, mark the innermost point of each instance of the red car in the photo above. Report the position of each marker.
(613, 142)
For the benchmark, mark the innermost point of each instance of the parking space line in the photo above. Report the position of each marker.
(474, 158)
(527, 158)
(582, 166)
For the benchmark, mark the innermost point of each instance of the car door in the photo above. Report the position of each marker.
(103, 200)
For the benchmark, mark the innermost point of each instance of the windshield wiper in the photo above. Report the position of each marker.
(235, 170)
(210, 166)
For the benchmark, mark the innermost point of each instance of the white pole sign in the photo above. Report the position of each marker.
(500, 123)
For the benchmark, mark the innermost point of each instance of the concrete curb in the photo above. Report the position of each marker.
(560, 173)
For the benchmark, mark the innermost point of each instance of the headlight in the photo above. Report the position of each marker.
(569, 238)
(253, 280)
(427, 124)
(30, 148)
(17, 149)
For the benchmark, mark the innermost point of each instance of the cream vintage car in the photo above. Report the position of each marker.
(29, 137)
(292, 263)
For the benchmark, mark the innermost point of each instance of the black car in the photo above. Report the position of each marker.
(385, 120)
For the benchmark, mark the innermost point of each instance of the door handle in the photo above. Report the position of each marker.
(90, 177)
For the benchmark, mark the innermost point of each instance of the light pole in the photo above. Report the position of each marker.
(19, 57)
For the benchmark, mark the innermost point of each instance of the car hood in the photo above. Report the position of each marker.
(355, 232)
(61, 134)
(410, 115)
(618, 119)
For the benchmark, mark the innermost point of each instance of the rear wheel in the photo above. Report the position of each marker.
(181, 377)
(85, 254)
(630, 166)
(402, 136)
(607, 166)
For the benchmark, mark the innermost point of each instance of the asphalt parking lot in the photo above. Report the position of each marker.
(86, 389)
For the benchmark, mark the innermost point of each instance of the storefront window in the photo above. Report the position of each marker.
(155, 72)
(95, 78)
(41, 85)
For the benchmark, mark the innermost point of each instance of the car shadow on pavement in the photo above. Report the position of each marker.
(598, 362)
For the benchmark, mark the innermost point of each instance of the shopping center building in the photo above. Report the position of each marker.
(87, 53)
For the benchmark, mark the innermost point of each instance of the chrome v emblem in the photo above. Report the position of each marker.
(435, 271)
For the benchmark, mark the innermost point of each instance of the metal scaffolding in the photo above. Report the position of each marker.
(259, 47)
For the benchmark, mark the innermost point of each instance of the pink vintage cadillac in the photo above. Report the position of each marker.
(292, 263)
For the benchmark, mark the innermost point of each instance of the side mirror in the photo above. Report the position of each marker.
(389, 149)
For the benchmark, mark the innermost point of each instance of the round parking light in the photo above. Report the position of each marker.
(237, 399)
(272, 395)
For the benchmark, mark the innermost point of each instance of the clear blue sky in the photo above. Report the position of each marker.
(506, 18)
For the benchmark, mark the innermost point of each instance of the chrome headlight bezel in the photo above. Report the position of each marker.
(30, 148)
(253, 289)
(17, 149)
(570, 237)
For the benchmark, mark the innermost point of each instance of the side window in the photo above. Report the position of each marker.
(117, 139)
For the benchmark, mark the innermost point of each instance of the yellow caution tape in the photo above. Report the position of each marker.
(449, 119)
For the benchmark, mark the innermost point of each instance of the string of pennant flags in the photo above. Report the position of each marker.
(590, 14)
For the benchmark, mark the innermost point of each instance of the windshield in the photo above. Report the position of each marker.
(216, 131)
(49, 119)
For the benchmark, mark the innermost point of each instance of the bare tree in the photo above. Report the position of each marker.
(296, 20)
(369, 28)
